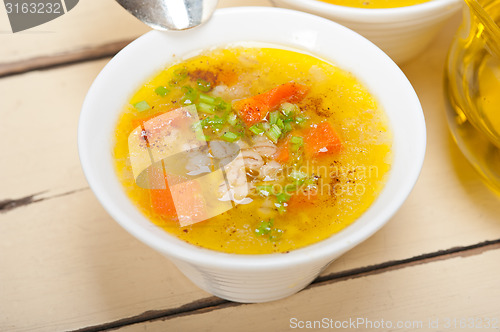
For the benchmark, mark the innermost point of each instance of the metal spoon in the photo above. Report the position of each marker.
(168, 15)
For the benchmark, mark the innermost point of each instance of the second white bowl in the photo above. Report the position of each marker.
(402, 32)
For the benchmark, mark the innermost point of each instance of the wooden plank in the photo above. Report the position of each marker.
(64, 264)
(93, 29)
(89, 24)
(39, 123)
(452, 295)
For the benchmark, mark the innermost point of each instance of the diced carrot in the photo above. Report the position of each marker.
(302, 198)
(159, 192)
(190, 204)
(178, 199)
(254, 109)
(162, 202)
(283, 153)
(321, 139)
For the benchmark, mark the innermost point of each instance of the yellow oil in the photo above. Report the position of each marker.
(375, 3)
(472, 84)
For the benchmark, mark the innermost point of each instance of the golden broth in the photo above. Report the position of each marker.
(375, 3)
(347, 181)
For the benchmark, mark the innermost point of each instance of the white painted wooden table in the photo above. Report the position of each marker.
(66, 265)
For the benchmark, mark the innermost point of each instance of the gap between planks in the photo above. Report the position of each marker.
(62, 59)
(214, 303)
(7, 205)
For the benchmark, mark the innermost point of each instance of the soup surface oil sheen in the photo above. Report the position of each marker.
(328, 145)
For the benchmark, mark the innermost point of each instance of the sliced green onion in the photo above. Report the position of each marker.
(287, 127)
(297, 175)
(256, 129)
(216, 120)
(289, 109)
(162, 91)
(274, 133)
(181, 73)
(290, 188)
(230, 137)
(275, 234)
(264, 227)
(198, 130)
(280, 124)
(232, 119)
(207, 99)
(197, 126)
(142, 106)
(190, 95)
(206, 108)
(222, 105)
(266, 126)
(178, 76)
(203, 137)
(273, 117)
(265, 190)
(300, 119)
(297, 140)
(203, 85)
(297, 143)
(281, 207)
(282, 197)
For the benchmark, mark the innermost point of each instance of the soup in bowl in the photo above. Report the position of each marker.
(252, 157)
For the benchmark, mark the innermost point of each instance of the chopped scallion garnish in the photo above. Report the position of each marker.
(222, 105)
(281, 207)
(280, 124)
(162, 91)
(256, 129)
(216, 120)
(290, 188)
(275, 234)
(273, 117)
(190, 95)
(300, 119)
(297, 140)
(297, 175)
(207, 99)
(265, 190)
(203, 137)
(180, 73)
(264, 227)
(287, 126)
(282, 197)
(178, 76)
(203, 85)
(289, 109)
(206, 108)
(230, 136)
(274, 133)
(142, 106)
(232, 119)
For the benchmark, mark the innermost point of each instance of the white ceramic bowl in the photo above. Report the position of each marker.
(402, 32)
(251, 278)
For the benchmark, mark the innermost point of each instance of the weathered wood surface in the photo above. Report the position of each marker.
(65, 265)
